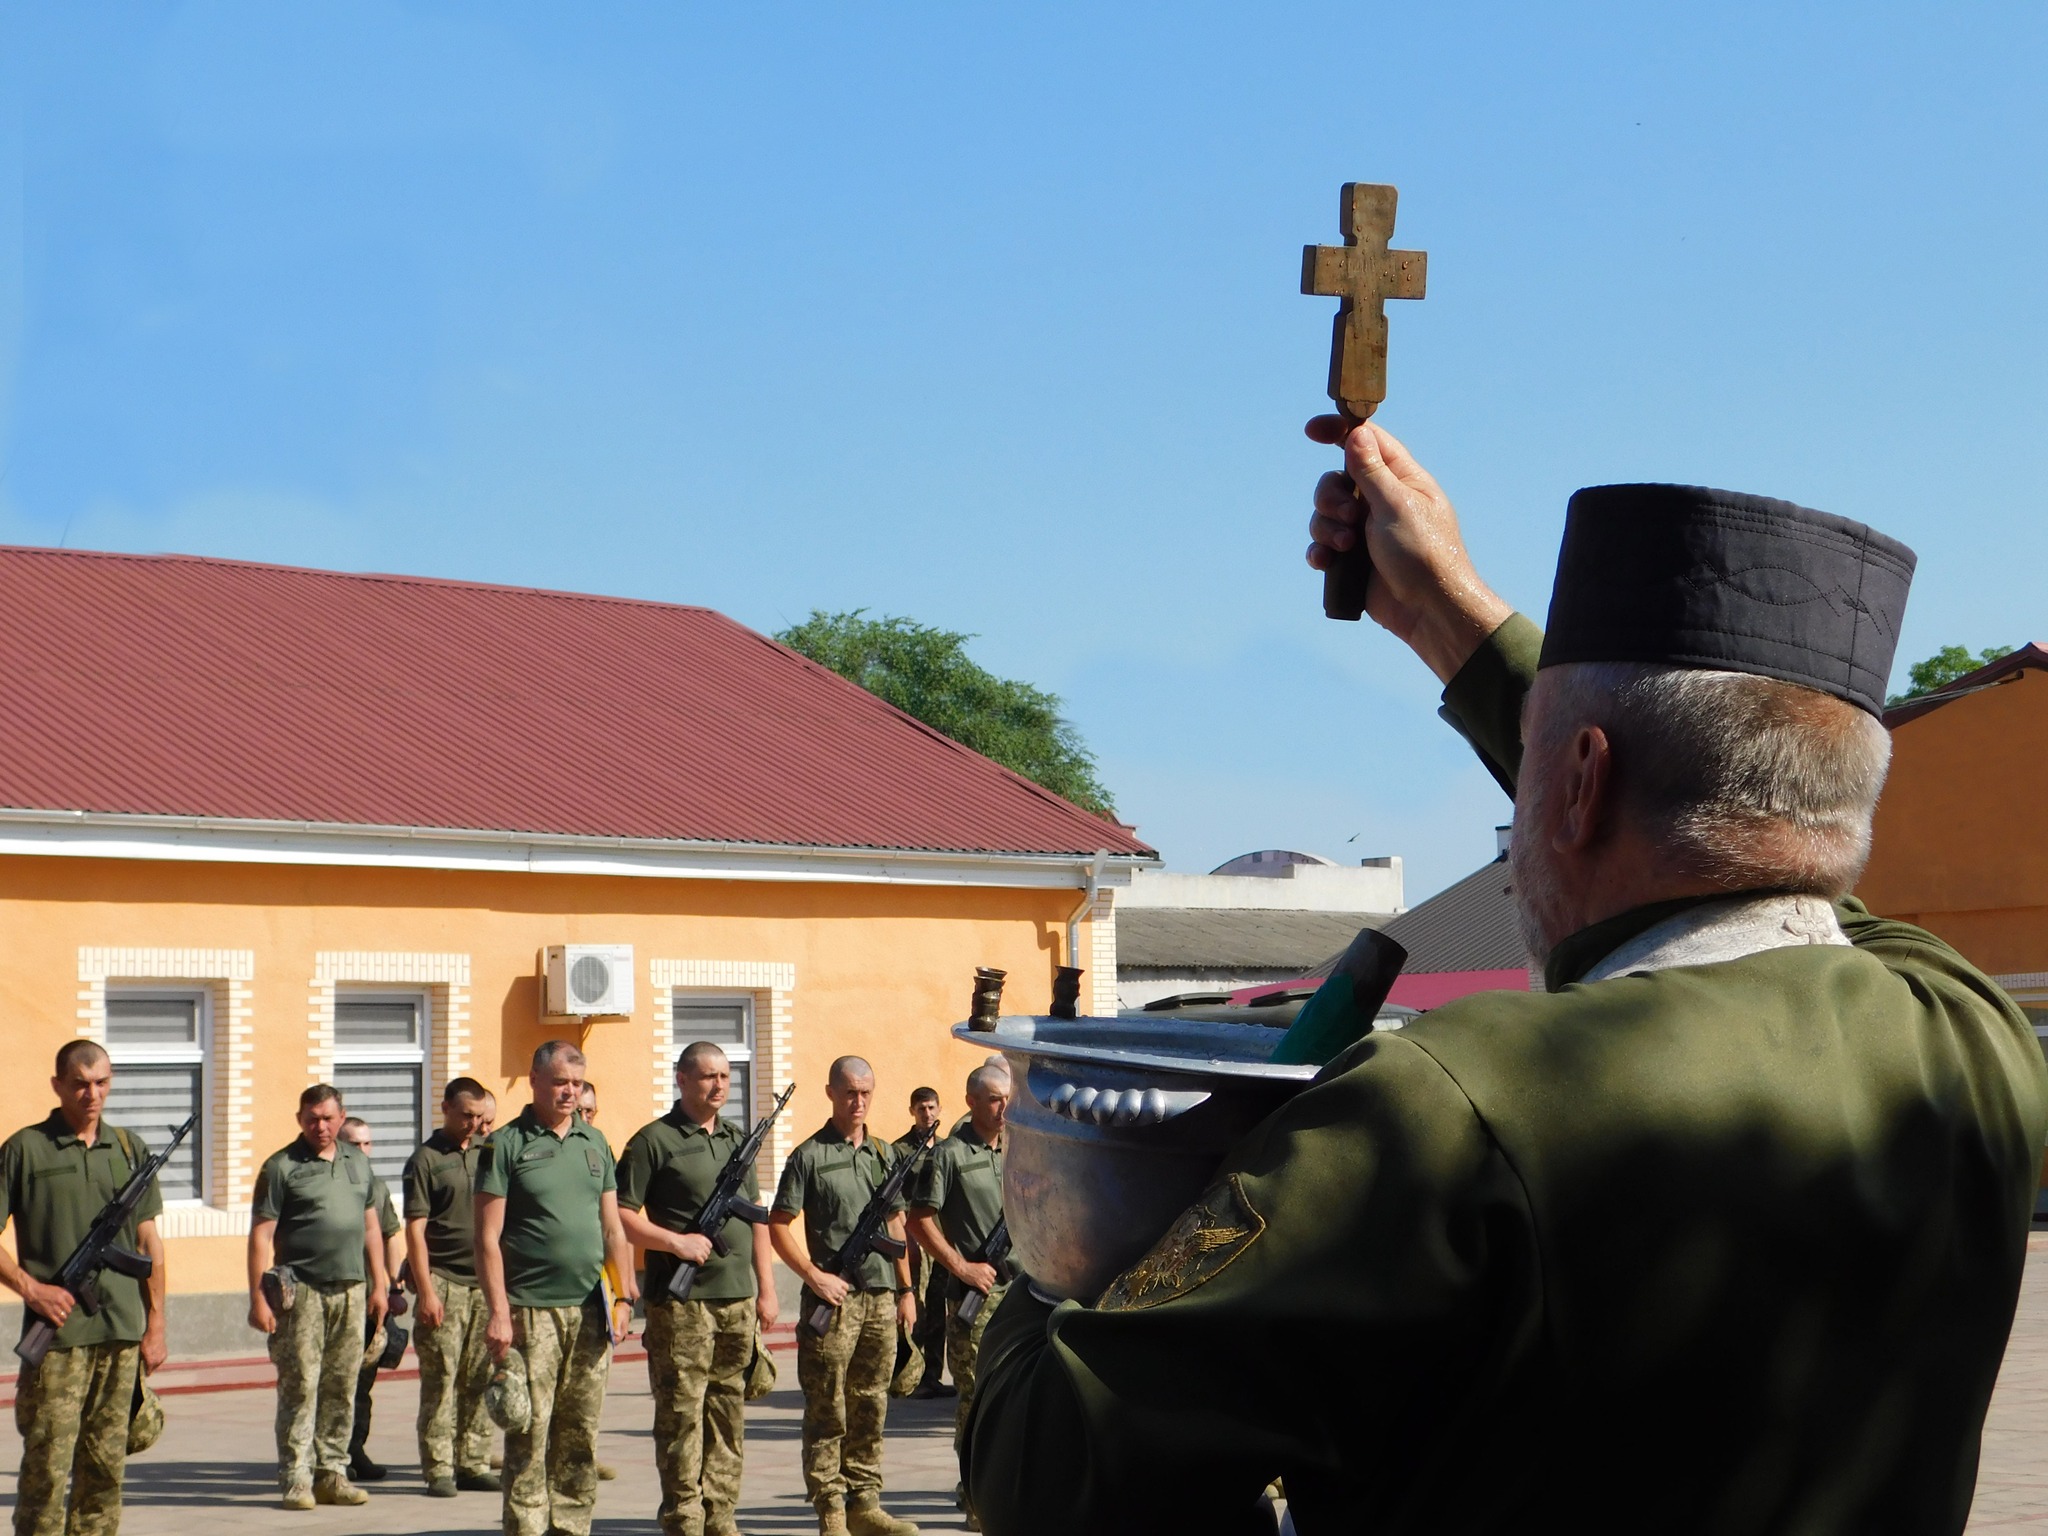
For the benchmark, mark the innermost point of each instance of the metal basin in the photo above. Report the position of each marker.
(1116, 1127)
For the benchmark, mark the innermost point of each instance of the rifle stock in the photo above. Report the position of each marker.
(993, 1251)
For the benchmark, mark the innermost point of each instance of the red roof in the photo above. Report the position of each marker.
(2028, 657)
(172, 685)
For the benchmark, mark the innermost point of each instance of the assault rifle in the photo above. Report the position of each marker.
(100, 1250)
(726, 1201)
(868, 1235)
(993, 1251)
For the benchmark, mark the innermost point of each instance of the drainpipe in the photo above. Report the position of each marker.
(1088, 888)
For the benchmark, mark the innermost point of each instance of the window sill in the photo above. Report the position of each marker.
(190, 1219)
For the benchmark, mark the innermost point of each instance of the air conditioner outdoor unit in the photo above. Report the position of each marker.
(590, 979)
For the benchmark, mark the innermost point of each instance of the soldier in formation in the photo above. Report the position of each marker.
(440, 1188)
(956, 1204)
(56, 1176)
(361, 1468)
(1722, 1231)
(547, 1224)
(698, 1349)
(927, 1280)
(829, 1180)
(317, 1282)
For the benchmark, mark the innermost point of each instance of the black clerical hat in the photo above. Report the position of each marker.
(1683, 576)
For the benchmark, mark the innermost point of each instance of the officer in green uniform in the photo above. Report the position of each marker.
(72, 1410)
(315, 1215)
(697, 1350)
(440, 1183)
(1722, 1232)
(928, 1339)
(829, 1181)
(956, 1204)
(547, 1222)
(361, 1468)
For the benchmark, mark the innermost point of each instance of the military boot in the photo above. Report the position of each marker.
(831, 1518)
(298, 1496)
(333, 1488)
(866, 1517)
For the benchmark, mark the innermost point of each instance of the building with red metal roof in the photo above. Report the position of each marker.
(262, 827)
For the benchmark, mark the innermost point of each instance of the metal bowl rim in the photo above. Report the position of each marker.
(1009, 1041)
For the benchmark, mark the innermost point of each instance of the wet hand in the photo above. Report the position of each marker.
(830, 1289)
(979, 1277)
(693, 1248)
(52, 1302)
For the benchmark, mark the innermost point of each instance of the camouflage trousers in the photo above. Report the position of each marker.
(551, 1469)
(963, 1348)
(697, 1355)
(318, 1351)
(845, 1377)
(455, 1366)
(72, 1411)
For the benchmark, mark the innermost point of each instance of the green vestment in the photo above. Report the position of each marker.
(1723, 1248)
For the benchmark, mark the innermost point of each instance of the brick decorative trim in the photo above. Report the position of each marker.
(443, 977)
(772, 985)
(228, 975)
(1100, 955)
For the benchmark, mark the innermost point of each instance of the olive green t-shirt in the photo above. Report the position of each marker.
(53, 1187)
(318, 1205)
(440, 1185)
(962, 1180)
(668, 1171)
(831, 1181)
(552, 1187)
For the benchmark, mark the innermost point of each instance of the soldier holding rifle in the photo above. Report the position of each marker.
(956, 1213)
(832, 1180)
(55, 1178)
(698, 1348)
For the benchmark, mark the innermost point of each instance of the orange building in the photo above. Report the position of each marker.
(1961, 840)
(261, 828)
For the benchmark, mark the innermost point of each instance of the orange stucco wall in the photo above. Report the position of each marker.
(879, 970)
(1961, 839)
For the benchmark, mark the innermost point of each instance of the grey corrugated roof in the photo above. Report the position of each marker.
(1469, 926)
(1223, 937)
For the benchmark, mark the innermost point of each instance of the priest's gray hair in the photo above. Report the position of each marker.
(1746, 781)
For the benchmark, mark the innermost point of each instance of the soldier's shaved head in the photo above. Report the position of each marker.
(79, 1053)
(849, 1070)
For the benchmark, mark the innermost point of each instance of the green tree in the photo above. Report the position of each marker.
(1944, 667)
(926, 673)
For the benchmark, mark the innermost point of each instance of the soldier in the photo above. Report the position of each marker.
(1722, 1232)
(315, 1219)
(440, 1184)
(926, 1278)
(956, 1203)
(360, 1468)
(547, 1221)
(697, 1350)
(845, 1372)
(587, 1105)
(55, 1178)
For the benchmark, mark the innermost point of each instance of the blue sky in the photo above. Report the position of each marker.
(988, 315)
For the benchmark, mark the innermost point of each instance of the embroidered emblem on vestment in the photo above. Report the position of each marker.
(1210, 1233)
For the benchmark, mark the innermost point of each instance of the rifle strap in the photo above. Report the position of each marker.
(127, 1148)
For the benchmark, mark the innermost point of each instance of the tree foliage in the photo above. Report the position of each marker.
(1944, 667)
(926, 673)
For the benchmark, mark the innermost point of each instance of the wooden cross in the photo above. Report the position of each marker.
(1364, 274)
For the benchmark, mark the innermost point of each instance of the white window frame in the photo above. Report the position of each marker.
(199, 1053)
(419, 1054)
(746, 1052)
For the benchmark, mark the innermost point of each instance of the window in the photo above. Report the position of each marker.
(729, 1024)
(380, 1066)
(157, 1041)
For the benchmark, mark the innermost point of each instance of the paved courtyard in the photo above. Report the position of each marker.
(215, 1457)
